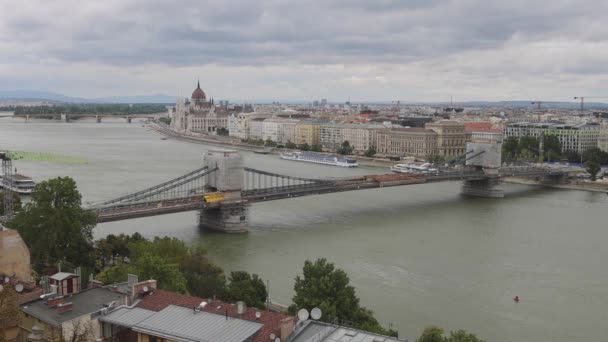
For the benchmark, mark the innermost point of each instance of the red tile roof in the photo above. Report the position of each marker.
(271, 321)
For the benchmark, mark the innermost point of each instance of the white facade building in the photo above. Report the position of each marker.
(578, 138)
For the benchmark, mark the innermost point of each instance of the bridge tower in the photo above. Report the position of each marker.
(486, 156)
(232, 215)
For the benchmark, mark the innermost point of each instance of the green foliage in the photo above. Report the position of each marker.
(316, 148)
(510, 148)
(431, 334)
(326, 287)
(270, 143)
(9, 309)
(593, 167)
(345, 148)
(435, 334)
(223, 131)
(168, 276)
(16, 202)
(92, 108)
(55, 226)
(174, 265)
(573, 156)
(304, 147)
(112, 246)
(204, 279)
(595, 153)
(248, 288)
(370, 152)
(552, 147)
(528, 148)
(165, 120)
(462, 336)
(290, 145)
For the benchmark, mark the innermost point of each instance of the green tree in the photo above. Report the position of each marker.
(55, 226)
(204, 279)
(10, 313)
(431, 334)
(593, 167)
(173, 250)
(462, 336)
(165, 120)
(270, 143)
(326, 287)
(304, 147)
(223, 131)
(573, 156)
(168, 277)
(345, 148)
(115, 274)
(290, 145)
(371, 151)
(316, 148)
(552, 147)
(510, 148)
(16, 202)
(528, 147)
(248, 288)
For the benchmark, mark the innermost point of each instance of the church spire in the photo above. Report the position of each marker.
(198, 84)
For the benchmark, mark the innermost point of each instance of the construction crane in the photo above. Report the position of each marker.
(582, 98)
(7, 175)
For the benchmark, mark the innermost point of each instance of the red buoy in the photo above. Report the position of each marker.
(516, 299)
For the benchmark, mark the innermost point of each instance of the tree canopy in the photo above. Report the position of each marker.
(9, 309)
(248, 288)
(16, 202)
(55, 226)
(324, 286)
(435, 334)
(345, 148)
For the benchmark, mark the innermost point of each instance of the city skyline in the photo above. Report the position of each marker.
(420, 51)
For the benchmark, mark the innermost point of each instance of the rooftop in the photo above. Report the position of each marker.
(85, 302)
(315, 331)
(184, 324)
(271, 321)
(62, 276)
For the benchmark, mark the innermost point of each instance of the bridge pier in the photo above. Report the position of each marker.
(228, 218)
(65, 118)
(487, 187)
(128, 119)
(98, 118)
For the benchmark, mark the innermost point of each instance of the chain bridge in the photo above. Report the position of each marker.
(223, 189)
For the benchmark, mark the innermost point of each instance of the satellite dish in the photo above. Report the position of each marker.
(272, 336)
(7, 279)
(315, 313)
(146, 289)
(19, 288)
(258, 314)
(303, 314)
(277, 340)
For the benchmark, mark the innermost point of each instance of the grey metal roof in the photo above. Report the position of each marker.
(62, 275)
(185, 325)
(314, 331)
(126, 317)
(84, 302)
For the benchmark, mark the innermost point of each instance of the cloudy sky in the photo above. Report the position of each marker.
(408, 50)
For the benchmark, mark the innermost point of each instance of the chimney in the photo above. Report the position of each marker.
(287, 326)
(53, 302)
(65, 307)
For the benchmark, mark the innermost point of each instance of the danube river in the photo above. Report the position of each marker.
(417, 255)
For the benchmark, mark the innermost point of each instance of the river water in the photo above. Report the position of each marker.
(417, 255)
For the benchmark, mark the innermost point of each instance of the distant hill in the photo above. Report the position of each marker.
(159, 98)
(36, 95)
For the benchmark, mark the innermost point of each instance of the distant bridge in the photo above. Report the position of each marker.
(98, 117)
(223, 189)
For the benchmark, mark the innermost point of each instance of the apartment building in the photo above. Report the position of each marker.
(415, 142)
(580, 137)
